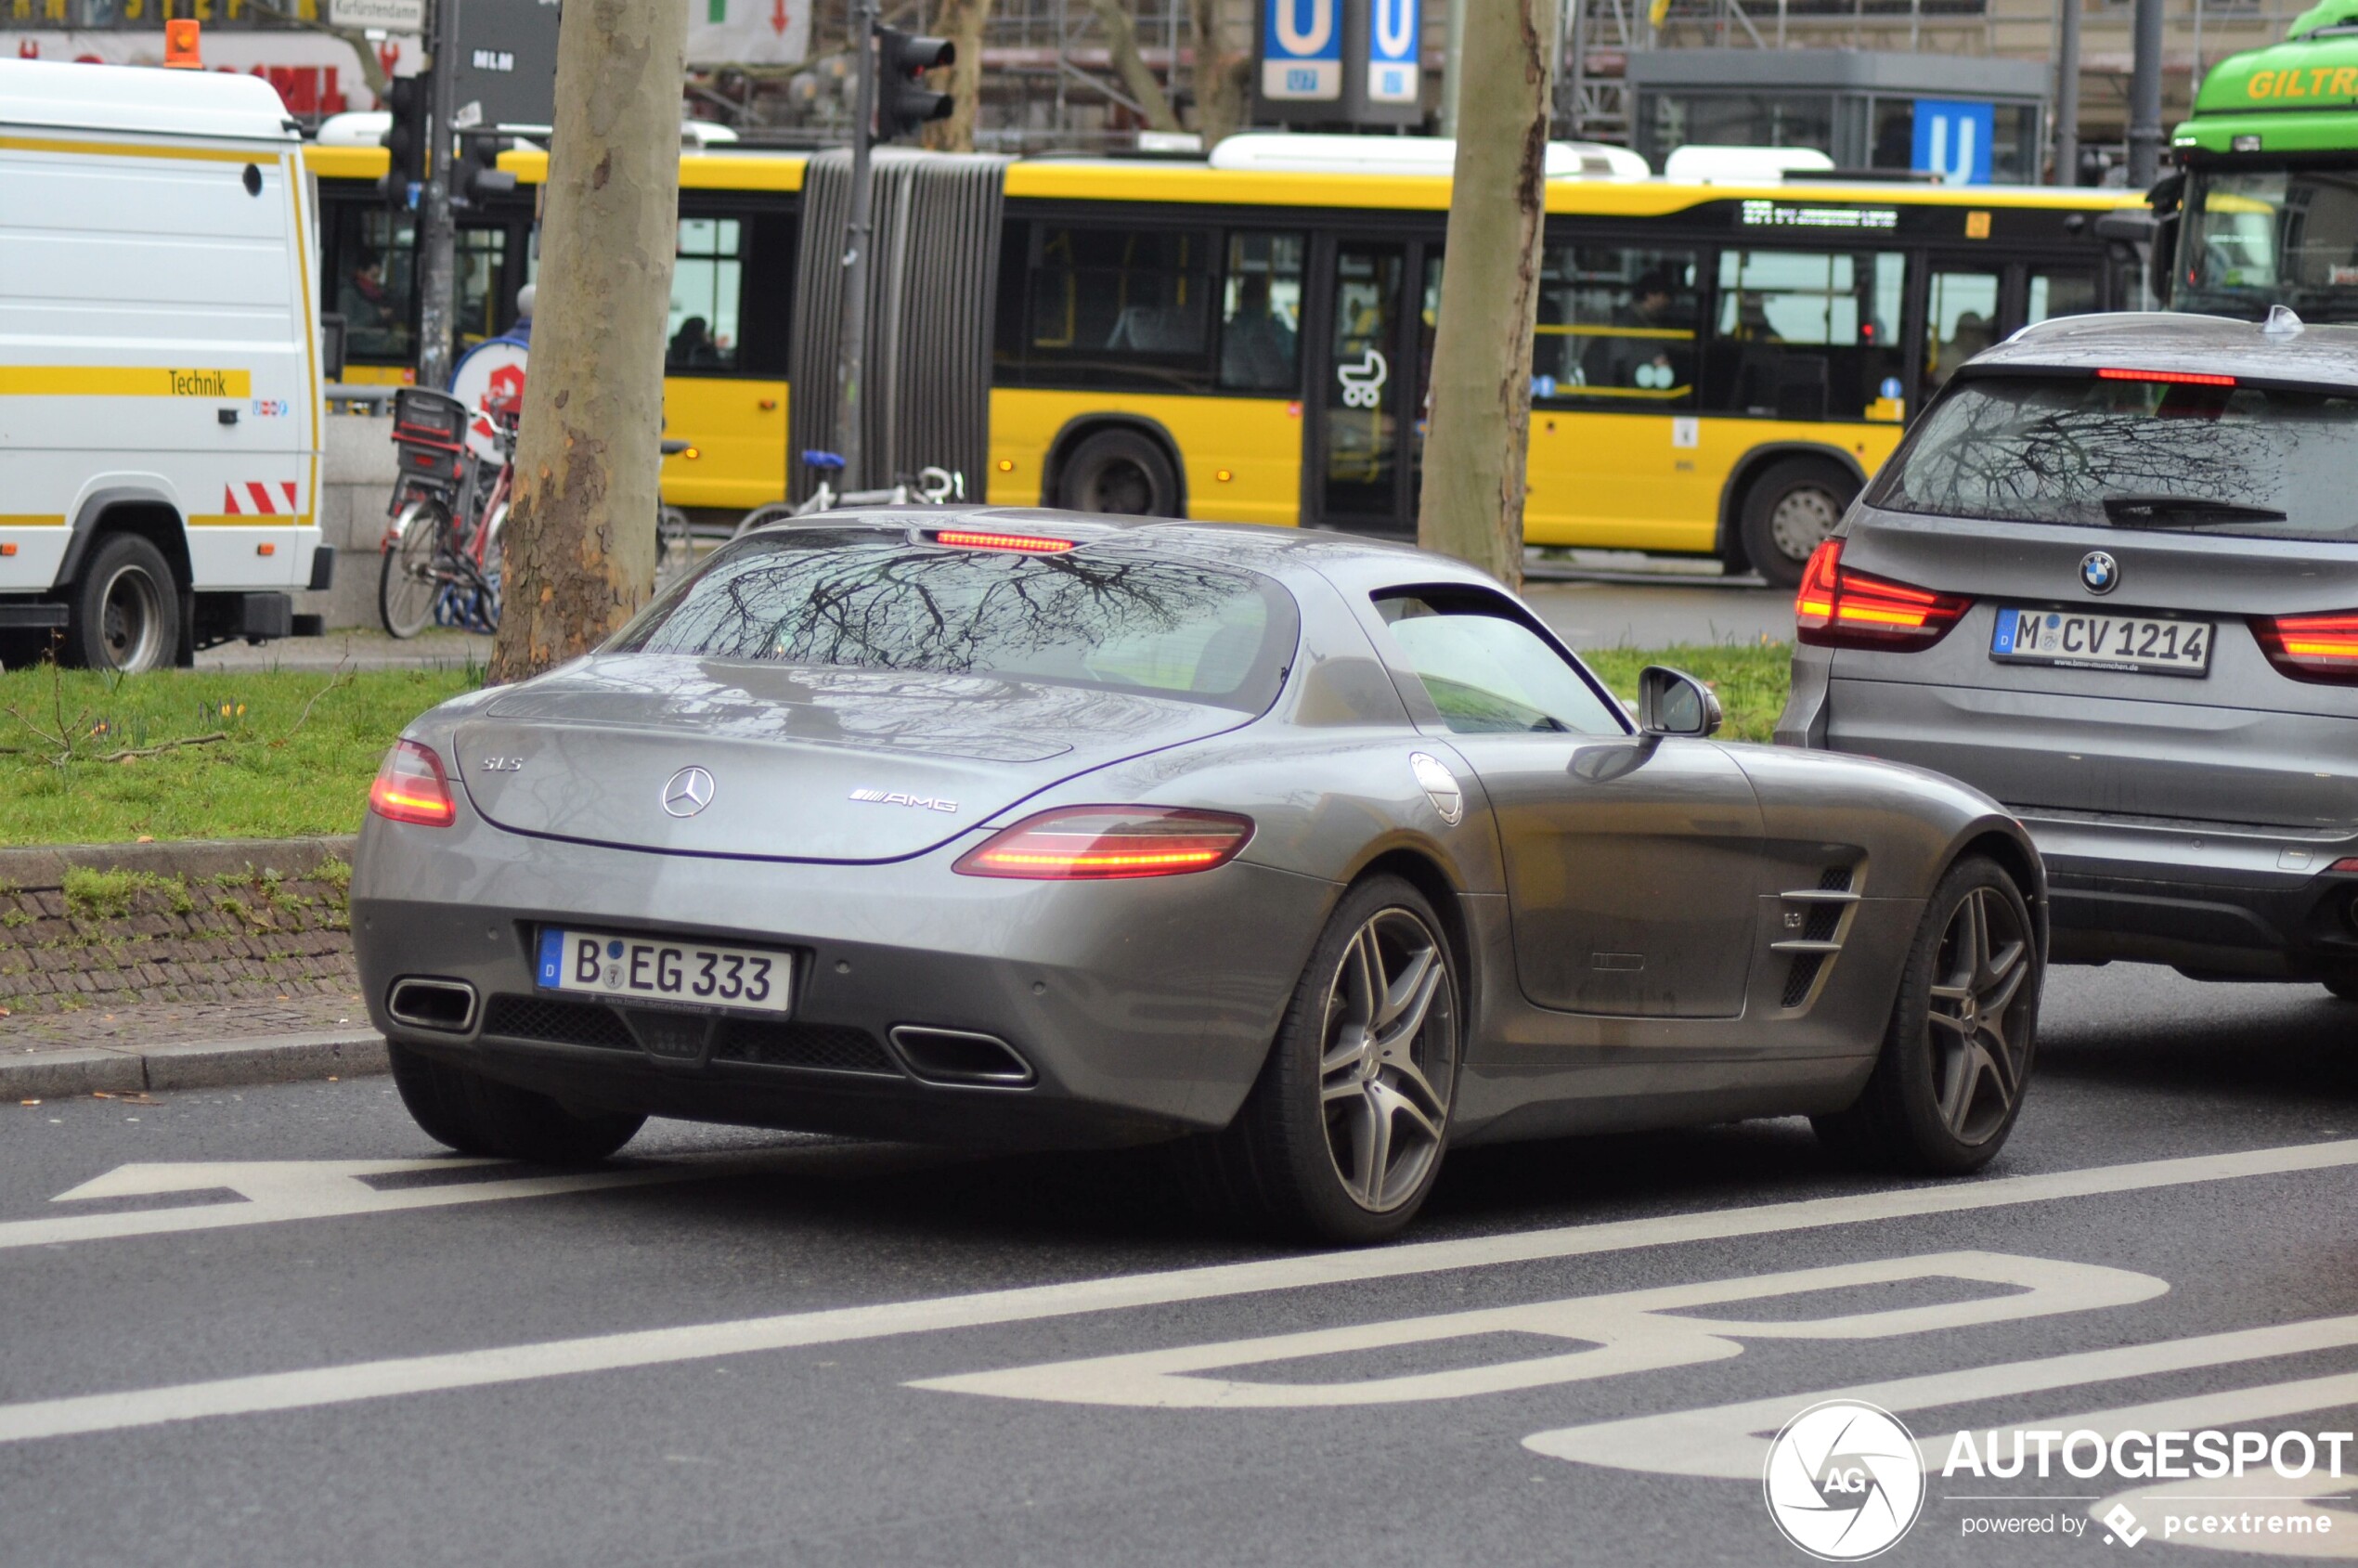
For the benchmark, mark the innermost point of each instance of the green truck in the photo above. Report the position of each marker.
(2262, 208)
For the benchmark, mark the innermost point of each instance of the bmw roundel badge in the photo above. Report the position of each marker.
(2099, 573)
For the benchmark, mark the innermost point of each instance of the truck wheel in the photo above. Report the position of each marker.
(1789, 512)
(1119, 472)
(125, 611)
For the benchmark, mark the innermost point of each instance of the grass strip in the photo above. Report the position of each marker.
(90, 758)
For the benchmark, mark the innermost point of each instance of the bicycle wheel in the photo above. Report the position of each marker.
(409, 583)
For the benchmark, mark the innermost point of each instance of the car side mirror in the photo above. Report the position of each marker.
(1671, 702)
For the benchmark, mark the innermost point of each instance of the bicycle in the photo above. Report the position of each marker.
(932, 486)
(441, 550)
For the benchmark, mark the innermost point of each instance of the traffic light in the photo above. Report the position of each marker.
(405, 139)
(479, 172)
(903, 101)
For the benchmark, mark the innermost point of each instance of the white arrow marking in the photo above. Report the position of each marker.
(299, 1189)
(483, 1368)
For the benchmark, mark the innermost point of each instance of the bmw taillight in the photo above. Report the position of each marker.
(411, 787)
(1838, 608)
(2315, 648)
(1097, 843)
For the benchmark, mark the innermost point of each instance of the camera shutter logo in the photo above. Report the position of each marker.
(1844, 1480)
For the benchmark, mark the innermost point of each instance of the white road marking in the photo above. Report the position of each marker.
(298, 1190)
(1730, 1442)
(480, 1368)
(1629, 1332)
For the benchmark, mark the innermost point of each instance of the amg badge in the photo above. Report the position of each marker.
(895, 798)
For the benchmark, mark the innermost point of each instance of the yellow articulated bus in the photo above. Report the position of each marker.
(1718, 367)
(726, 362)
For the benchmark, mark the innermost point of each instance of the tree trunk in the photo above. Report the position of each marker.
(580, 540)
(1475, 453)
(1122, 41)
(1219, 82)
(961, 23)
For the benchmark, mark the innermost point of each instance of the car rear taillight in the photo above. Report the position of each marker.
(1837, 608)
(411, 787)
(1095, 843)
(2316, 648)
(2164, 378)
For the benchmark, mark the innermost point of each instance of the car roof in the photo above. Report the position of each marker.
(1253, 546)
(2279, 349)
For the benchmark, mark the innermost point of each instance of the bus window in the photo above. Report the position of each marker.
(1617, 329)
(374, 267)
(482, 312)
(1806, 336)
(1261, 314)
(707, 274)
(2060, 290)
(1961, 321)
(1119, 308)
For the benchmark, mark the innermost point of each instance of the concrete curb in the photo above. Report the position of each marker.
(204, 1064)
(45, 866)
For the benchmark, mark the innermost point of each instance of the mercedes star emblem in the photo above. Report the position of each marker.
(2099, 573)
(689, 792)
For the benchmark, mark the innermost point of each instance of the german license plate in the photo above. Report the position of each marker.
(2076, 640)
(689, 974)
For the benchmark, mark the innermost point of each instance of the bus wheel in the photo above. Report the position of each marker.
(1789, 512)
(125, 611)
(1119, 472)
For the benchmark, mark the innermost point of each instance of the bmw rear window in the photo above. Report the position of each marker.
(881, 600)
(2255, 461)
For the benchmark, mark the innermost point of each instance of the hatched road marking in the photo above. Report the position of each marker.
(480, 1368)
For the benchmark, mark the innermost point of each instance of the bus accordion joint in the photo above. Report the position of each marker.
(1023, 544)
(2167, 378)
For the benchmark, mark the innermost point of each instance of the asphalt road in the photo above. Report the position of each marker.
(746, 1349)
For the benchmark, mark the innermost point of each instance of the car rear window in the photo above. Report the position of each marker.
(879, 600)
(2260, 462)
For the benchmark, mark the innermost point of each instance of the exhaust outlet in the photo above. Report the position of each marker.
(957, 1058)
(443, 1006)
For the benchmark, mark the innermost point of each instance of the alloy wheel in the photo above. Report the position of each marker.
(1387, 1059)
(1801, 520)
(1978, 1044)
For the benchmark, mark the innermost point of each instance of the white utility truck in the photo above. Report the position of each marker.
(160, 376)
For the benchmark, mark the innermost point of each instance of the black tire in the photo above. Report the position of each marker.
(1793, 506)
(478, 1115)
(1120, 471)
(125, 611)
(409, 582)
(1279, 1165)
(2343, 983)
(1958, 1051)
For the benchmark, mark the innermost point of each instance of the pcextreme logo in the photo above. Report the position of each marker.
(1844, 1481)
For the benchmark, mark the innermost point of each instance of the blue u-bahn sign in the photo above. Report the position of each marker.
(1395, 70)
(1953, 139)
(1302, 50)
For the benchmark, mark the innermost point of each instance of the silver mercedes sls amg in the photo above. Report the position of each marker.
(1315, 854)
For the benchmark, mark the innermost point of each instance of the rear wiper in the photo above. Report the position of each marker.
(2131, 512)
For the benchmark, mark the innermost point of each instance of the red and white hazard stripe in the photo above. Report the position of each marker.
(257, 499)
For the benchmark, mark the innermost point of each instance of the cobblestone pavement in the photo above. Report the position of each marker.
(174, 1023)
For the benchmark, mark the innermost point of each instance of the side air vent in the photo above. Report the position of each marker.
(1821, 910)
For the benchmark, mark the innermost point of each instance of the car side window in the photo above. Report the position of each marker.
(1487, 672)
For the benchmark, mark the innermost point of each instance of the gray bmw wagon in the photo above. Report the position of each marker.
(2111, 578)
